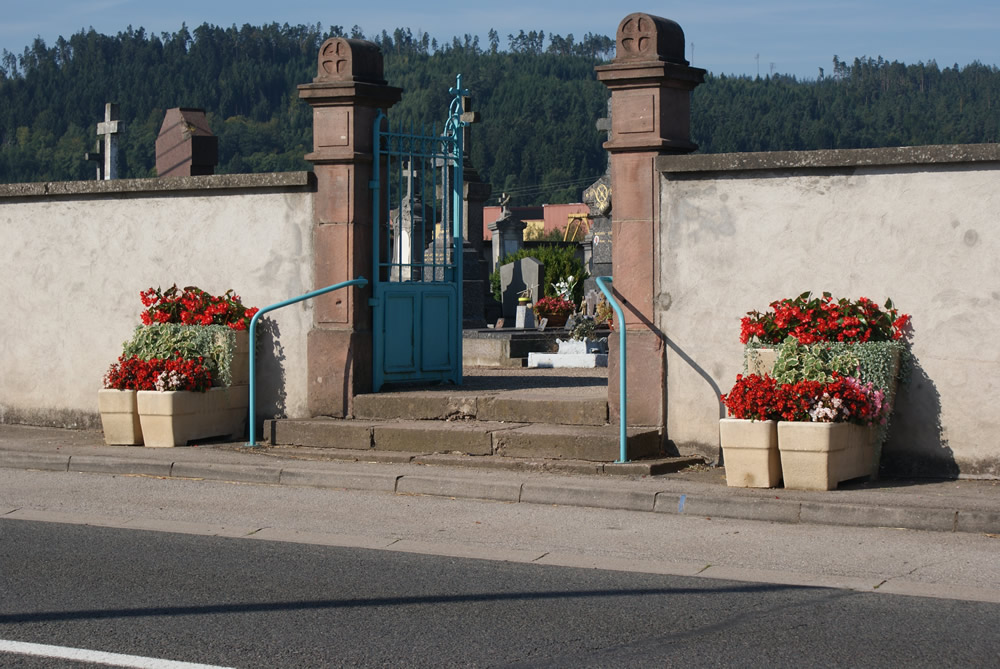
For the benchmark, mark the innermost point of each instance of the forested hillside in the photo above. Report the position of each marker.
(537, 95)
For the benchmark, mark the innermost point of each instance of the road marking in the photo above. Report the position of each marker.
(96, 656)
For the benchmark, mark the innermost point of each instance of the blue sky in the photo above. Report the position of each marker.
(796, 36)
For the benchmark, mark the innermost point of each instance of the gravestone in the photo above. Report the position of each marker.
(186, 146)
(508, 233)
(411, 230)
(590, 301)
(598, 243)
(515, 278)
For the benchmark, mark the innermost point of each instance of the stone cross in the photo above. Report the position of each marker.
(469, 117)
(96, 156)
(408, 173)
(604, 125)
(108, 130)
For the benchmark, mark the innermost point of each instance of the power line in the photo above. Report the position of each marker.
(537, 188)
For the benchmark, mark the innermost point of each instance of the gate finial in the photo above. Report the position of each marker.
(342, 59)
(456, 118)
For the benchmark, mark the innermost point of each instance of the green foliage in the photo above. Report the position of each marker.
(865, 104)
(214, 343)
(560, 262)
(539, 100)
(538, 106)
(869, 362)
(817, 362)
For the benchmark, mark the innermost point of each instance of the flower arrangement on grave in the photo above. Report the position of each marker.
(193, 306)
(564, 288)
(584, 327)
(822, 319)
(175, 373)
(554, 308)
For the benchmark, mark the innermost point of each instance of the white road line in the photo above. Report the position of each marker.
(96, 656)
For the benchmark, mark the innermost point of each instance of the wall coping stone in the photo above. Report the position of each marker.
(304, 181)
(945, 154)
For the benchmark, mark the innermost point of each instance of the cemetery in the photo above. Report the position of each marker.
(423, 357)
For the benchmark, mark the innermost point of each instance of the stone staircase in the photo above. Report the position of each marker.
(547, 414)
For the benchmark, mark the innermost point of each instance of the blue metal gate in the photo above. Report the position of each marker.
(417, 250)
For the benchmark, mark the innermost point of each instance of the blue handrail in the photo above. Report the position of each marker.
(622, 366)
(360, 281)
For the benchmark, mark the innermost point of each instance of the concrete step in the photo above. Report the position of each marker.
(483, 438)
(533, 407)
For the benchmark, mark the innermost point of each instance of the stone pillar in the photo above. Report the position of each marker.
(474, 272)
(651, 84)
(346, 94)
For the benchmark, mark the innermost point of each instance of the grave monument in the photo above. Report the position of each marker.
(597, 244)
(106, 149)
(186, 145)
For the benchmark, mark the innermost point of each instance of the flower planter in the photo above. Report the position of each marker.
(175, 417)
(555, 320)
(119, 417)
(240, 367)
(818, 456)
(750, 452)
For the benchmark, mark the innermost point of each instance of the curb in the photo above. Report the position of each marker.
(601, 494)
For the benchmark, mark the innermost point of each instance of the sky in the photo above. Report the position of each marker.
(795, 37)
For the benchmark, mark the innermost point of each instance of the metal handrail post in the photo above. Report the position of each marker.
(622, 366)
(456, 124)
(360, 281)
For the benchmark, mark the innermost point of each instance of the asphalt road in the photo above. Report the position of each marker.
(232, 602)
(947, 565)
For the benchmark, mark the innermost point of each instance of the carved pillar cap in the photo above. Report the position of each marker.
(342, 59)
(643, 37)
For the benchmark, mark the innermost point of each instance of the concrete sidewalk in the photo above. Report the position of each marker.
(946, 506)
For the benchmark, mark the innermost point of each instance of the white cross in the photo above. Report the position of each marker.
(109, 130)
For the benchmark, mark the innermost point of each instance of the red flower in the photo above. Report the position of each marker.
(174, 373)
(811, 319)
(753, 397)
(193, 306)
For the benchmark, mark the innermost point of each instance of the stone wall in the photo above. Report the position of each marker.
(919, 225)
(75, 255)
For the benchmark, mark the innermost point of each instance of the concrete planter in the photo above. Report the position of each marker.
(750, 453)
(175, 417)
(119, 417)
(818, 456)
(240, 367)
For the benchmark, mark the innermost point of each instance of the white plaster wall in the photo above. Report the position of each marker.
(927, 237)
(73, 269)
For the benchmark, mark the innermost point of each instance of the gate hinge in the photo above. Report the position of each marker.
(372, 301)
(372, 184)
